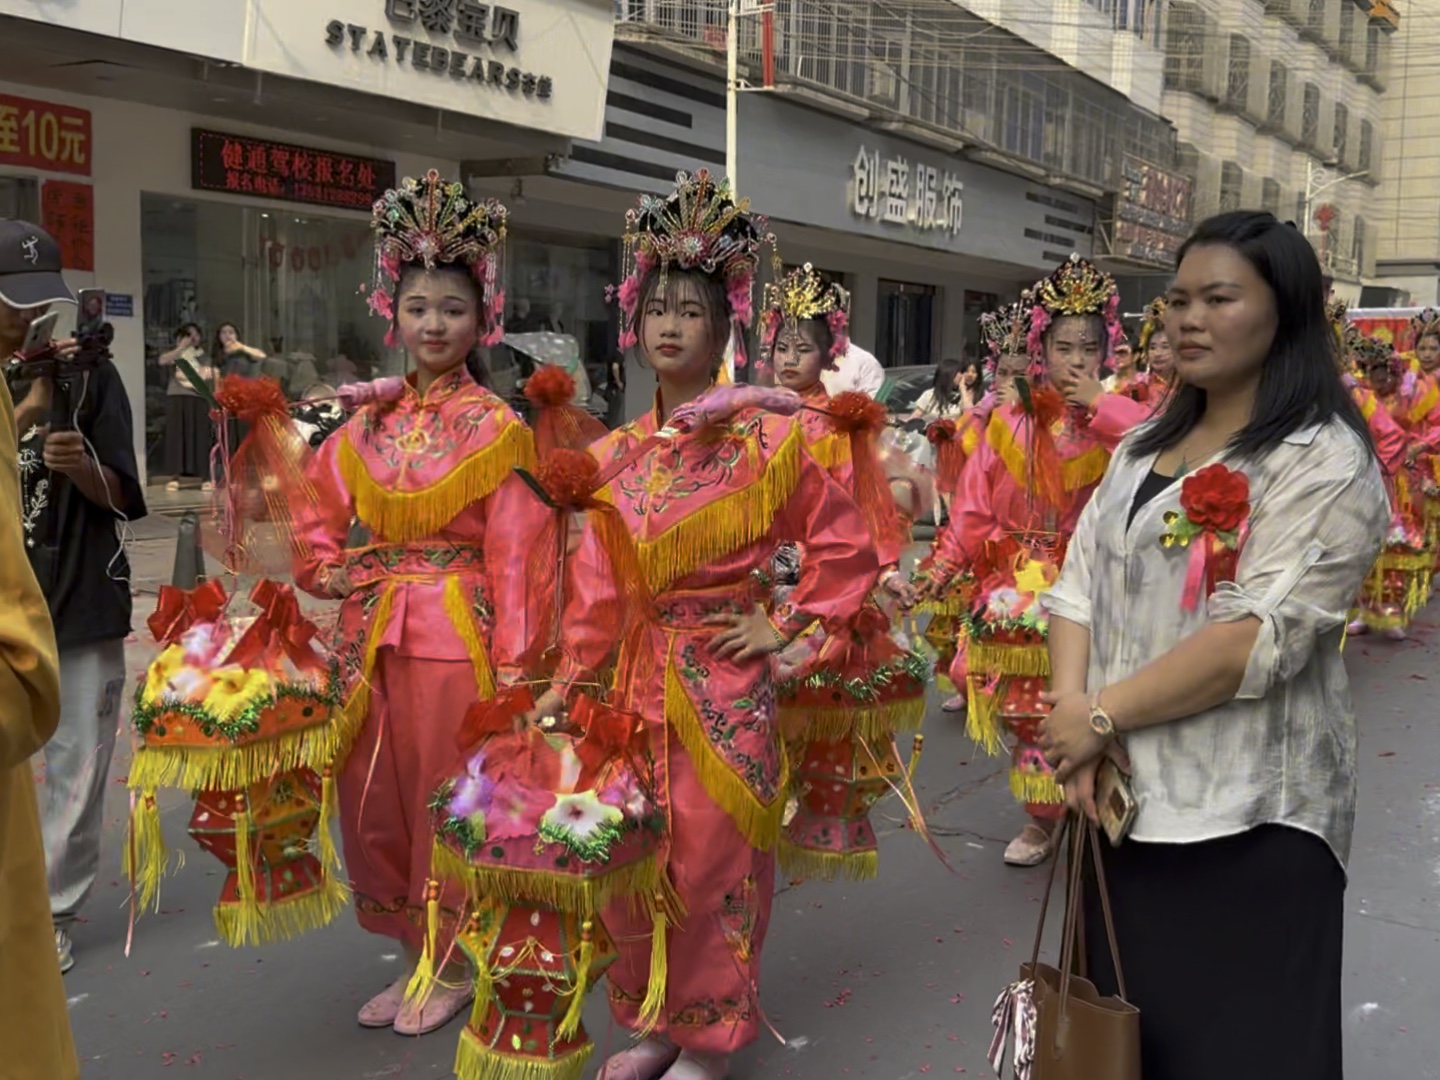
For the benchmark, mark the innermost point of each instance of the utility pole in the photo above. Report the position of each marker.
(1314, 172)
(732, 94)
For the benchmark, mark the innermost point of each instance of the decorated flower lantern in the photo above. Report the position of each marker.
(545, 829)
(839, 715)
(243, 712)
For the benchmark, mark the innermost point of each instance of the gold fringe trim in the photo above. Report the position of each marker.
(1031, 788)
(653, 1005)
(868, 722)
(1426, 405)
(808, 863)
(1077, 472)
(462, 618)
(146, 856)
(758, 822)
(476, 1061)
(951, 606)
(259, 924)
(357, 709)
(574, 1012)
(726, 524)
(831, 451)
(982, 715)
(230, 767)
(1021, 661)
(403, 516)
(565, 892)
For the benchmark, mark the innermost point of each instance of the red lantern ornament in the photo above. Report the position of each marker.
(837, 782)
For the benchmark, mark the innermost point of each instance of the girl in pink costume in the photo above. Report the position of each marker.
(435, 612)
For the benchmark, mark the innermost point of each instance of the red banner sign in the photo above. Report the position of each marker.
(244, 166)
(43, 135)
(67, 212)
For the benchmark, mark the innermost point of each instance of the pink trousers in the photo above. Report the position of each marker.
(405, 750)
(712, 987)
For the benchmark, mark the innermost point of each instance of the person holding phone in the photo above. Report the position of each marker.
(1223, 674)
(1019, 497)
(78, 479)
(189, 432)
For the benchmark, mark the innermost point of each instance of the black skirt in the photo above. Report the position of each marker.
(1231, 950)
(189, 436)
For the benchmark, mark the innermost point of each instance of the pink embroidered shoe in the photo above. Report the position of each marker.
(443, 1006)
(381, 1010)
(646, 1060)
(693, 1066)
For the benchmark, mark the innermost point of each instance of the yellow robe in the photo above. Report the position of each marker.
(35, 1037)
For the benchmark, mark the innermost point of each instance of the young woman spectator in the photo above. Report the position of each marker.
(1258, 486)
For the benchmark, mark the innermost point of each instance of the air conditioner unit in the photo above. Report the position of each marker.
(1257, 102)
(1294, 126)
(1324, 145)
(1207, 185)
(1330, 30)
(1215, 62)
(1251, 189)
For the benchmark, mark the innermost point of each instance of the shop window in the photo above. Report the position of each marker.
(1357, 242)
(907, 324)
(1310, 116)
(1342, 132)
(1367, 145)
(1270, 195)
(1279, 94)
(19, 198)
(1232, 182)
(1237, 85)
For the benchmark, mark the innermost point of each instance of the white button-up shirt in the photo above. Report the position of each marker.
(1283, 750)
(856, 370)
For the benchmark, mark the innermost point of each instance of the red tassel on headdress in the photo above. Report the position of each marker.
(1047, 481)
(944, 436)
(862, 418)
(559, 424)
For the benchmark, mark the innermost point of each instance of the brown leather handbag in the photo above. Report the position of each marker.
(1063, 1028)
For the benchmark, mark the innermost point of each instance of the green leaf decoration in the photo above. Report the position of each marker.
(201, 386)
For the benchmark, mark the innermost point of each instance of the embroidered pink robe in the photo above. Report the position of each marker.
(993, 503)
(438, 613)
(708, 512)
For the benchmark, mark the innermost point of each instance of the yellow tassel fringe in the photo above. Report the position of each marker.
(986, 658)
(403, 516)
(573, 1014)
(245, 912)
(422, 982)
(831, 451)
(462, 618)
(146, 856)
(565, 892)
(1075, 473)
(831, 725)
(476, 1061)
(982, 715)
(231, 767)
(757, 821)
(808, 863)
(325, 839)
(725, 525)
(653, 1006)
(357, 709)
(1035, 788)
(281, 920)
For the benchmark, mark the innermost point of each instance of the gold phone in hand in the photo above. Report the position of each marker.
(1114, 801)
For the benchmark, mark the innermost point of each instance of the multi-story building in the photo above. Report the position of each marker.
(1278, 105)
(1407, 241)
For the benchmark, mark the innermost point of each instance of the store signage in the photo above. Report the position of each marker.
(469, 42)
(119, 305)
(44, 135)
(1152, 214)
(244, 166)
(897, 191)
(67, 212)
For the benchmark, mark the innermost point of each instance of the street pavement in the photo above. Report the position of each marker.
(890, 980)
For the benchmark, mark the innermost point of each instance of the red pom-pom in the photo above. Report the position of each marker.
(251, 399)
(853, 412)
(1047, 406)
(941, 431)
(569, 477)
(550, 386)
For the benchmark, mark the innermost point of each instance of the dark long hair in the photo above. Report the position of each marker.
(1300, 381)
(665, 282)
(947, 370)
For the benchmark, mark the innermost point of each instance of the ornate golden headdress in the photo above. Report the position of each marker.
(1368, 350)
(433, 222)
(1426, 324)
(1005, 331)
(699, 226)
(1077, 288)
(802, 295)
(1151, 324)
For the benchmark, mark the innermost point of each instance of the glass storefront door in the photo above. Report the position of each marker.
(907, 318)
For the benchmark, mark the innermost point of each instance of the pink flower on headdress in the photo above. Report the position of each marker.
(494, 319)
(1112, 319)
(839, 323)
(1039, 323)
(739, 296)
(628, 295)
(381, 303)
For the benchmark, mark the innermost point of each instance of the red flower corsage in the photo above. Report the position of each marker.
(1216, 508)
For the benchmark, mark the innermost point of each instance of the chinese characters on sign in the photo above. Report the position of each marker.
(1152, 214)
(479, 39)
(245, 166)
(67, 212)
(42, 135)
(898, 192)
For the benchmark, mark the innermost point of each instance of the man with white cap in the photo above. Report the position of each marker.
(78, 482)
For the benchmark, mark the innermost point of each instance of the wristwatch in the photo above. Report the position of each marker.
(1101, 722)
